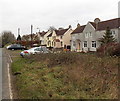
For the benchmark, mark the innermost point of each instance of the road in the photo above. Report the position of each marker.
(0, 73)
(6, 83)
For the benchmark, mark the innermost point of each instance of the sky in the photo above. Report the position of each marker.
(42, 14)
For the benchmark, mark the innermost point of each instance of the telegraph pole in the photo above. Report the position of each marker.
(18, 31)
(31, 35)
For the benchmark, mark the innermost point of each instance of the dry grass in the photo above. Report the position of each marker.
(67, 76)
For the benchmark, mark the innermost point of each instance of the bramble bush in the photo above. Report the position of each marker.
(111, 49)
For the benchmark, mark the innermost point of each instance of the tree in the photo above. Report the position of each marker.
(52, 28)
(107, 37)
(106, 41)
(26, 38)
(19, 38)
(7, 37)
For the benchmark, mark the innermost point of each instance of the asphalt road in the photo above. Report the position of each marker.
(5, 75)
(0, 73)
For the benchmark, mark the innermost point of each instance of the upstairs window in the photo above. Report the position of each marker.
(61, 43)
(86, 35)
(61, 37)
(85, 43)
(113, 32)
(90, 34)
(94, 44)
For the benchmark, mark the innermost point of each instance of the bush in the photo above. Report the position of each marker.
(110, 49)
(54, 59)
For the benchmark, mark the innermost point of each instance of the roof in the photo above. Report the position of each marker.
(113, 23)
(61, 32)
(42, 33)
(79, 29)
(49, 35)
(93, 24)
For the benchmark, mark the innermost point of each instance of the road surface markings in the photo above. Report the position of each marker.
(9, 82)
(10, 58)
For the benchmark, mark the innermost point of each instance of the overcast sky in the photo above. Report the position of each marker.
(41, 14)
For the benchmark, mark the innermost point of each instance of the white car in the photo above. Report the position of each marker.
(35, 50)
(8, 46)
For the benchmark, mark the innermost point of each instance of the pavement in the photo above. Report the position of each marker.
(0, 73)
(6, 83)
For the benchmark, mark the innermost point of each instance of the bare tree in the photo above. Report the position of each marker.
(7, 37)
(52, 28)
(26, 37)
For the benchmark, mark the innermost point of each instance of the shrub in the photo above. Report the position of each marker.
(110, 49)
(54, 59)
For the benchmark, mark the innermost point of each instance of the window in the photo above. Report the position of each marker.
(85, 43)
(86, 35)
(113, 32)
(49, 43)
(74, 44)
(94, 44)
(61, 43)
(61, 37)
(54, 44)
(90, 34)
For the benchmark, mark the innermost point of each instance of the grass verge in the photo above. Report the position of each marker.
(66, 76)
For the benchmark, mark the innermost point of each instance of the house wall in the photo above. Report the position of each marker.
(45, 39)
(96, 35)
(74, 37)
(88, 29)
(101, 33)
(67, 37)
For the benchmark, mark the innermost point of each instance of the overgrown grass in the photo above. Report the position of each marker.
(66, 76)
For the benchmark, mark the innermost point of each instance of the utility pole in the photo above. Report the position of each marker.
(31, 35)
(18, 31)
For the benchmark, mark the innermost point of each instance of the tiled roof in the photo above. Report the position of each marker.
(42, 33)
(61, 32)
(79, 29)
(49, 35)
(93, 24)
(114, 23)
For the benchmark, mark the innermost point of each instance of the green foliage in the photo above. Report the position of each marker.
(19, 38)
(72, 76)
(107, 37)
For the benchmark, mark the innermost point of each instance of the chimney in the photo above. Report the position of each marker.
(78, 25)
(70, 26)
(97, 20)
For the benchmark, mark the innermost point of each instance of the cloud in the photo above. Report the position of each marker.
(45, 13)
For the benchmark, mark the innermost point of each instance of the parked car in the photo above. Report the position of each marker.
(35, 50)
(16, 47)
